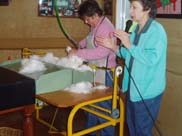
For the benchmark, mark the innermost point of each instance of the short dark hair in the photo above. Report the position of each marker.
(149, 4)
(89, 8)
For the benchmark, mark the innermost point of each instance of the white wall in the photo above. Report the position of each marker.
(122, 13)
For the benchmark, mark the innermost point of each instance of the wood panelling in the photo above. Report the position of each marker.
(170, 116)
(12, 54)
(22, 27)
(18, 43)
(173, 28)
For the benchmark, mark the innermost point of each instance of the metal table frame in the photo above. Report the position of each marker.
(61, 99)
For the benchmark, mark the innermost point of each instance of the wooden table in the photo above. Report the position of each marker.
(62, 99)
(66, 99)
(27, 123)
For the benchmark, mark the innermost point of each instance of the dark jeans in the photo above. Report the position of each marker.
(109, 79)
(92, 120)
(138, 119)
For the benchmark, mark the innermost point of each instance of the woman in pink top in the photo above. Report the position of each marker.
(90, 50)
(90, 12)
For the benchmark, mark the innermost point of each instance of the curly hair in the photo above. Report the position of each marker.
(89, 8)
(148, 5)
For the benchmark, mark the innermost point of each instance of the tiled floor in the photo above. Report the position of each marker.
(15, 120)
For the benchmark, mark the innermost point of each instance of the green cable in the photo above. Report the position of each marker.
(61, 25)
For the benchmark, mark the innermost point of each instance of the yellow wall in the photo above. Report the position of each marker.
(22, 27)
(170, 118)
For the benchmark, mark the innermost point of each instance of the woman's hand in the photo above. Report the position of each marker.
(108, 42)
(72, 52)
(123, 36)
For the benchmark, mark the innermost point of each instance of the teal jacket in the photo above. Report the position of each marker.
(149, 65)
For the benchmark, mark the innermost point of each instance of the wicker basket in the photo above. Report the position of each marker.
(7, 131)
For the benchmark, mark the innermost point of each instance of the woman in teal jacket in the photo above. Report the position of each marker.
(144, 51)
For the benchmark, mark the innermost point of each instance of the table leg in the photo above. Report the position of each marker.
(28, 122)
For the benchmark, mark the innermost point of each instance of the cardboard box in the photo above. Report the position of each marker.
(15, 89)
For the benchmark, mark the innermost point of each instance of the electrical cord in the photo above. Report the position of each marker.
(146, 107)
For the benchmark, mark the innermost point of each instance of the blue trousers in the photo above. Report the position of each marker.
(138, 119)
(92, 120)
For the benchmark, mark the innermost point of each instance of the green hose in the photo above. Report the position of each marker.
(61, 25)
